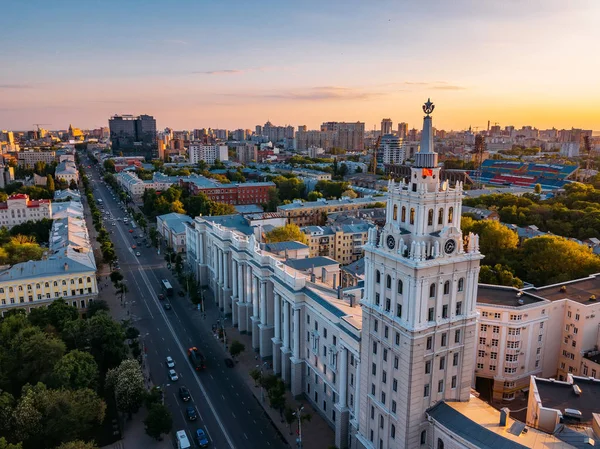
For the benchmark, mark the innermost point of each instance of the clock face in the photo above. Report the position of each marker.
(449, 246)
(391, 242)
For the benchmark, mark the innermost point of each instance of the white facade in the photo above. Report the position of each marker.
(419, 308)
(207, 153)
(311, 336)
(67, 171)
(19, 208)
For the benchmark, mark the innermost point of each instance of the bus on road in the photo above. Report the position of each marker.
(166, 285)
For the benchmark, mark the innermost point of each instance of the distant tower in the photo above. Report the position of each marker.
(386, 126)
(403, 130)
(419, 315)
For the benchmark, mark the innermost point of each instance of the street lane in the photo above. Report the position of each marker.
(226, 406)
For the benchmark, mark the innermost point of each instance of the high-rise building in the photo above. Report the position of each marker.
(199, 151)
(386, 126)
(275, 133)
(129, 132)
(393, 150)
(246, 153)
(419, 314)
(403, 130)
(302, 128)
(348, 136)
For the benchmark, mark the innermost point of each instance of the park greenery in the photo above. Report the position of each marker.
(176, 199)
(286, 233)
(53, 367)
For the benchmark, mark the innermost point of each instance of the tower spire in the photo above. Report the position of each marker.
(426, 157)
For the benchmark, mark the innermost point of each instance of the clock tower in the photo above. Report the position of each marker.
(418, 335)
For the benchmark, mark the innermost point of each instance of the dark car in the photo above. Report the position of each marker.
(229, 363)
(180, 293)
(202, 438)
(167, 306)
(161, 296)
(191, 413)
(184, 394)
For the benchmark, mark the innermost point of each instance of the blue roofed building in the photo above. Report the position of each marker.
(171, 227)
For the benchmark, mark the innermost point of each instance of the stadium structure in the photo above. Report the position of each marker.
(525, 174)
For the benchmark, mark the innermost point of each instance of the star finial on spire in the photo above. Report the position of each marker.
(428, 107)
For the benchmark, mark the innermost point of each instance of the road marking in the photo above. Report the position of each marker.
(184, 353)
(223, 397)
(246, 436)
(211, 376)
(233, 415)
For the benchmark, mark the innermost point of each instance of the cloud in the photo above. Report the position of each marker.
(448, 87)
(16, 86)
(176, 41)
(221, 72)
(312, 94)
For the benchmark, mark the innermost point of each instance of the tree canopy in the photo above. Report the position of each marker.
(286, 233)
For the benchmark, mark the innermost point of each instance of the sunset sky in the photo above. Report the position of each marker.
(234, 64)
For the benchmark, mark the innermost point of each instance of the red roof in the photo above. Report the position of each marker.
(18, 196)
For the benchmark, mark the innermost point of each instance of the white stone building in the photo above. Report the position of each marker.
(18, 208)
(67, 171)
(171, 227)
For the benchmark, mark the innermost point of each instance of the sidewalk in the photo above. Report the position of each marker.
(316, 433)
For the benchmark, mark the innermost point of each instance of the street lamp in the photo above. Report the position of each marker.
(262, 390)
(298, 414)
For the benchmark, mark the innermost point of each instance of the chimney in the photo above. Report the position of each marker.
(504, 414)
(66, 266)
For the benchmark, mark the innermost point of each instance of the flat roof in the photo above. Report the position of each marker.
(310, 262)
(504, 296)
(560, 395)
(579, 290)
(479, 423)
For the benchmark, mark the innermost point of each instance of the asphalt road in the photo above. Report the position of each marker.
(226, 407)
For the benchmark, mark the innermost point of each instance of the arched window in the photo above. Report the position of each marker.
(64, 282)
(56, 283)
(20, 288)
(47, 284)
(440, 444)
(72, 281)
(412, 216)
(450, 214)
(1, 290)
(423, 437)
(432, 291)
(395, 212)
(403, 214)
(388, 281)
(400, 287)
(81, 280)
(430, 217)
(441, 216)
(446, 287)
(89, 279)
(377, 276)
(461, 284)
(10, 289)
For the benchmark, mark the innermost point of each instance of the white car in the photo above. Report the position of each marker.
(170, 362)
(173, 375)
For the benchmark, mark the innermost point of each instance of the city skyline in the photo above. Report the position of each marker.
(510, 63)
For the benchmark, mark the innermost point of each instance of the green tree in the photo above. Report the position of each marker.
(495, 239)
(332, 189)
(98, 305)
(7, 406)
(236, 348)
(127, 382)
(60, 313)
(350, 193)
(73, 185)
(537, 189)
(45, 417)
(76, 370)
(273, 201)
(551, 259)
(276, 395)
(314, 196)
(109, 166)
(6, 445)
(255, 374)
(286, 233)
(159, 421)
(289, 417)
(50, 183)
(499, 275)
(116, 277)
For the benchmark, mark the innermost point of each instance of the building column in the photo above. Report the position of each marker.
(221, 279)
(342, 424)
(242, 306)
(235, 286)
(255, 317)
(296, 361)
(248, 296)
(227, 284)
(265, 329)
(200, 249)
(285, 350)
(277, 338)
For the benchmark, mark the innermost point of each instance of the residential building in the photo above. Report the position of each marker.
(67, 171)
(348, 136)
(199, 151)
(68, 272)
(67, 195)
(314, 213)
(28, 158)
(18, 208)
(342, 243)
(402, 130)
(275, 133)
(306, 139)
(481, 214)
(171, 227)
(394, 150)
(386, 126)
(129, 132)
(246, 153)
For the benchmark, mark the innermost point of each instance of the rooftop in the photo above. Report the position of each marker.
(234, 222)
(579, 290)
(282, 246)
(479, 423)
(323, 203)
(560, 395)
(505, 296)
(310, 262)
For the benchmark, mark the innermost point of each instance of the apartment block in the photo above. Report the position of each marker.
(314, 213)
(342, 243)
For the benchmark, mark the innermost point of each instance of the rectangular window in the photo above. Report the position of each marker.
(428, 367)
(442, 362)
(373, 389)
(377, 300)
(374, 347)
(445, 311)
(375, 325)
(441, 386)
(430, 314)
(385, 353)
(386, 331)
(429, 343)
(426, 391)
(393, 406)
(374, 369)
(384, 376)
(496, 329)
(399, 310)
(453, 382)
(396, 362)
(397, 338)
(444, 339)
(483, 328)
(395, 384)
(457, 336)
(494, 342)
(393, 432)
(459, 308)
(383, 398)
(455, 359)
(388, 304)
(481, 340)
(324, 332)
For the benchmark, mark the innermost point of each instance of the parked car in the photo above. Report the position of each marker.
(137, 253)
(170, 362)
(191, 413)
(184, 394)
(202, 438)
(161, 296)
(173, 375)
(167, 306)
